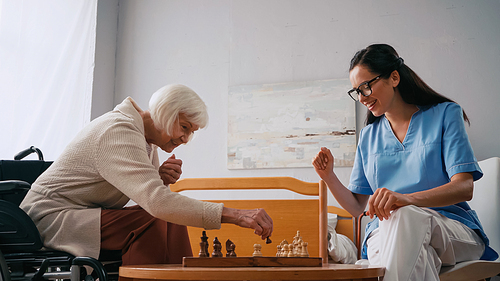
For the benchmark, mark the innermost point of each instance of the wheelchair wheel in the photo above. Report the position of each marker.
(4, 269)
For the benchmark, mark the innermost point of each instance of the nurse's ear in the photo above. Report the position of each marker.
(394, 78)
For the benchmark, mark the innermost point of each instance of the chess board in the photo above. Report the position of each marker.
(251, 261)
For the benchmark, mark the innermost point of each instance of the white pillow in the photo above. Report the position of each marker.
(332, 221)
(340, 248)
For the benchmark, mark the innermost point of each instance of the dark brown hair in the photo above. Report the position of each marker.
(383, 59)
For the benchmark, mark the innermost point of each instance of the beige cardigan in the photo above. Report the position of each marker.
(102, 168)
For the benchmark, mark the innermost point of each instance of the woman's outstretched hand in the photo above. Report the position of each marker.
(170, 170)
(256, 219)
(323, 163)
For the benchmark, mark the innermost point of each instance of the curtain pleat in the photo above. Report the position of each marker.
(47, 51)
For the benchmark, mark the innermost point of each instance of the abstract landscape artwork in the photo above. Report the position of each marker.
(285, 124)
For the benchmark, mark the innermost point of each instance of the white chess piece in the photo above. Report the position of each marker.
(284, 250)
(290, 251)
(256, 250)
(298, 251)
(304, 252)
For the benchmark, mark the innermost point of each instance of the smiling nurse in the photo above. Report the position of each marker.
(414, 169)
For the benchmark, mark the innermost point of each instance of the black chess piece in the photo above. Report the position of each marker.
(204, 239)
(203, 249)
(230, 248)
(217, 248)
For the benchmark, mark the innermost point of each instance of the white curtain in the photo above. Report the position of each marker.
(46, 73)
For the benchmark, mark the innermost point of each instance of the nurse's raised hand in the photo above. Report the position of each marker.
(323, 162)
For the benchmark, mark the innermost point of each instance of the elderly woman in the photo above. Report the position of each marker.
(78, 203)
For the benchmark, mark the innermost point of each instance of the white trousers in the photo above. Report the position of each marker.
(414, 242)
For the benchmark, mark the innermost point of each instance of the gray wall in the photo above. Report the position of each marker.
(211, 45)
(105, 52)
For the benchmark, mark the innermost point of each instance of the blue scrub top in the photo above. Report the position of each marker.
(435, 148)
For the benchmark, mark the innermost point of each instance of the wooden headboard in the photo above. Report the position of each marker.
(309, 216)
(346, 223)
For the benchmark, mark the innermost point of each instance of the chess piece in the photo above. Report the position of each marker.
(296, 241)
(287, 250)
(304, 252)
(298, 245)
(278, 251)
(257, 250)
(217, 248)
(290, 251)
(204, 238)
(268, 241)
(232, 254)
(294, 247)
(203, 248)
(230, 248)
(298, 250)
(284, 246)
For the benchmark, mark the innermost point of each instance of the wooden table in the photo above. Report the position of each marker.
(178, 272)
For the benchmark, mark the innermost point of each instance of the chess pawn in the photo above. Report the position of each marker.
(304, 253)
(278, 251)
(284, 250)
(256, 250)
(290, 251)
(203, 248)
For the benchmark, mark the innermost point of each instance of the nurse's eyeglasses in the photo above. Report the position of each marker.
(363, 89)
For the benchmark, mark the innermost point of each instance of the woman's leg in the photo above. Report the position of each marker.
(142, 238)
(414, 242)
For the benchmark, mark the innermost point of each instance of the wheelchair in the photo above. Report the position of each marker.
(22, 255)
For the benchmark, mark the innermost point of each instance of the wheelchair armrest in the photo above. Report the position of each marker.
(10, 185)
(13, 191)
(17, 230)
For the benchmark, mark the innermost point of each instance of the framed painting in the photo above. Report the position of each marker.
(285, 124)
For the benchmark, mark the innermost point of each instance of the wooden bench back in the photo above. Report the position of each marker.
(309, 216)
(346, 223)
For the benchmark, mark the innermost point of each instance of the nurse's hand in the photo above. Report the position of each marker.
(384, 201)
(323, 163)
(170, 170)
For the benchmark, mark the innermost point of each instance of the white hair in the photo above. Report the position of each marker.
(169, 101)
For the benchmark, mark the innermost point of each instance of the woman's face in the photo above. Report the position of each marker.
(181, 132)
(383, 90)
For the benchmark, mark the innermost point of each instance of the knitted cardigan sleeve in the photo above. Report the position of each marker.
(121, 159)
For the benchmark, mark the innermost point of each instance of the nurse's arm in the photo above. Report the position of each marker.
(354, 203)
(459, 189)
